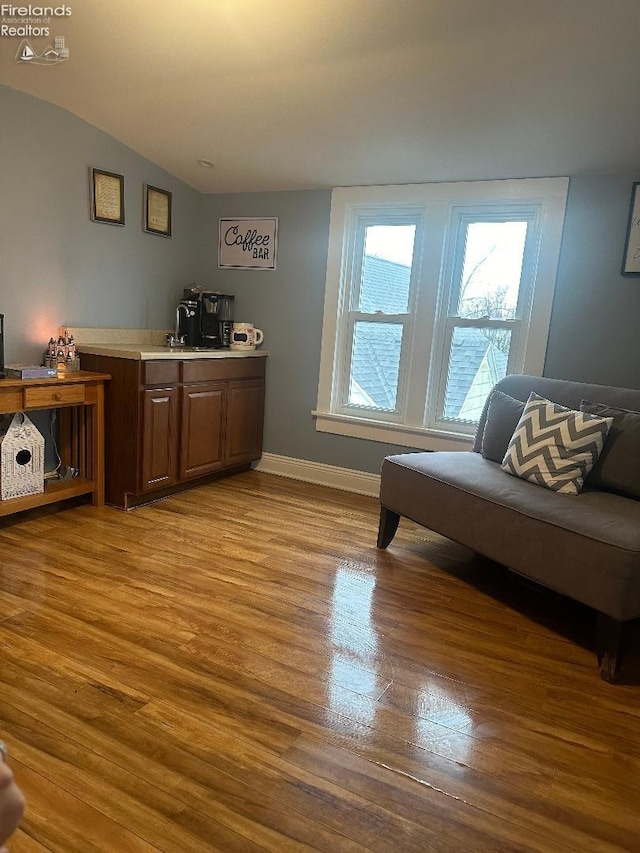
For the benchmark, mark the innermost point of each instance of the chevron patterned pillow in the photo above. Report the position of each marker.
(555, 447)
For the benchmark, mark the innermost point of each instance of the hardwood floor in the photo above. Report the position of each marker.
(238, 668)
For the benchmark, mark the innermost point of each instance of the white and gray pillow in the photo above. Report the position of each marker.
(555, 447)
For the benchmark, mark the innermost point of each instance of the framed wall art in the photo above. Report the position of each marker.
(245, 243)
(157, 211)
(631, 256)
(106, 197)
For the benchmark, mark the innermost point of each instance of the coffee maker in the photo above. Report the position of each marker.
(205, 318)
(216, 319)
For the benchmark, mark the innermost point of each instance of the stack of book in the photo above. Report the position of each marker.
(29, 371)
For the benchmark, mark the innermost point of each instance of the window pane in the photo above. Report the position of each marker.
(492, 269)
(478, 359)
(375, 363)
(386, 269)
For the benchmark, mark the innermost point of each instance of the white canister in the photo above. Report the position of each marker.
(245, 336)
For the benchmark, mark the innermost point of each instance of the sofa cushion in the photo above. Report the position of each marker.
(503, 414)
(555, 447)
(618, 467)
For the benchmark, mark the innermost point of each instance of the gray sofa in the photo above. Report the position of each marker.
(586, 547)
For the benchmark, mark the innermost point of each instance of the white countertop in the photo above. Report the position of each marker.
(146, 352)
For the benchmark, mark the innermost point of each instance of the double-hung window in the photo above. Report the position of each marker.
(434, 292)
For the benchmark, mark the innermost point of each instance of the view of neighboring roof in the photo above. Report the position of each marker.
(475, 366)
(473, 357)
(385, 286)
(374, 364)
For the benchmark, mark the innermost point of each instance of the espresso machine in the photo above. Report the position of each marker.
(205, 318)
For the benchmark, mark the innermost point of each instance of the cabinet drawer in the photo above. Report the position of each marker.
(212, 369)
(160, 372)
(11, 400)
(44, 397)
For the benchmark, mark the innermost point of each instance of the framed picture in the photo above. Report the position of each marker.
(631, 257)
(157, 211)
(107, 197)
(246, 243)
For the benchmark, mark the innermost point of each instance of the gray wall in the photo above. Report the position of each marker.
(56, 265)
(594, 326)
(596, 312)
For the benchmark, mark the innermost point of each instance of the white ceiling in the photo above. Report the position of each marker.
(295, 94)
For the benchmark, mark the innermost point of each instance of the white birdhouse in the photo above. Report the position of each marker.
(22, 455)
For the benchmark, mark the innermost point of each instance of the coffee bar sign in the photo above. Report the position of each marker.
(248, 244)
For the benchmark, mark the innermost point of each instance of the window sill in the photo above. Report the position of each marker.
(392, 433)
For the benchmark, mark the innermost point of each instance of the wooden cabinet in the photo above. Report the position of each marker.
(245, 401)
(202, 449)
(80, 401)
(159, 438)
(170, 423)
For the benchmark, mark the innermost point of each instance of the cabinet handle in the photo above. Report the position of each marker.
(58, 395)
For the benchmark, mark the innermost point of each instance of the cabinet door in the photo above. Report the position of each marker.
(245, 416)
(202, 445)
(159, 438)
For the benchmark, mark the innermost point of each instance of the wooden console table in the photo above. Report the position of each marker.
(80, 398)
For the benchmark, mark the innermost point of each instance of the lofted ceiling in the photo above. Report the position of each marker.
(297, 94)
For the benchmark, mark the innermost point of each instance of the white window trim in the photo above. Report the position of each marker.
(443, 201)
(446, 323)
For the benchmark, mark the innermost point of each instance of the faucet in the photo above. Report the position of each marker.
(176, 339)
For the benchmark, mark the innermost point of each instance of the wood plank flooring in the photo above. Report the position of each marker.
(238, 668)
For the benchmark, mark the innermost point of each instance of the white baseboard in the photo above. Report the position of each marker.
(324, 475)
